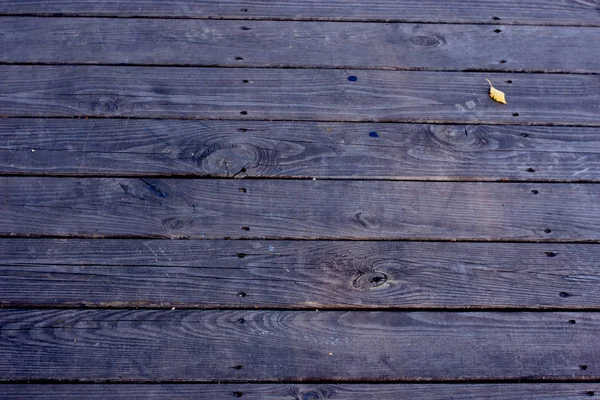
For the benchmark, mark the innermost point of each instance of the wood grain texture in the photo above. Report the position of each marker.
(526, 391)
(297, 94)
(507, 11)
(120, 147)
(296, 274)
(298, 44)
(211, 346)
(279, 209)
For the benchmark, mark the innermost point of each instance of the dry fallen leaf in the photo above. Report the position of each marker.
(496, 94)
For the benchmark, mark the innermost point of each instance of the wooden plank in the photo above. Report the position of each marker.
(297, 274)
(211, 346)
(298, 44)
(558, 12)
(120, 147)
(526, 391)
(279, 209)
(297, 94)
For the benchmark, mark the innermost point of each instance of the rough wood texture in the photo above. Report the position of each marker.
(298, 44)
(304, 274)
(296, 345)
(279, 209)
(114, 147)
(547, 391)
(279, 94)
(117, 107)
(506, 11)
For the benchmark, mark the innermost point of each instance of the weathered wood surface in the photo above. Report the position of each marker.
(508, 11)
(298, 44)
(525, 391)
(113, 147)
(297, 94)
(211, 346)
(302, 274)
(279, 209)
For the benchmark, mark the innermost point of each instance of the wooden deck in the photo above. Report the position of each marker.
(299, 200)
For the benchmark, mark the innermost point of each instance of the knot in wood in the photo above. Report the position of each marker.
(311, 396)
(315, 395)
(229, 156)
(173, 223)
(460, 138)
(428, 41)
(105, 106)
(370, 280)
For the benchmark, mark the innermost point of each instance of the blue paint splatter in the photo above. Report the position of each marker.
(373, 134)
(352, 78)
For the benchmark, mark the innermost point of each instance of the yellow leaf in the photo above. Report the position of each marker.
(496, 94)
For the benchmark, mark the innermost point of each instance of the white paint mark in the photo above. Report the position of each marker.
(153, 252)
(470, 104)
(85, 143)
(460, 108)
(163, 253)
(581, 172)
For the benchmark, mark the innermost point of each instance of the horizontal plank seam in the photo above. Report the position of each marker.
(305, 67)
(289, 238)
(308, 381)
(303, 19)
(275, 119)
(80, 306)
(190, 176)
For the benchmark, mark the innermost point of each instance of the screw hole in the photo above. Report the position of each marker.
(238, 394)
(241, 255)
(352, 78)
(243, 170)
(242, 190)
(239, 58)
(572, 321)
(244, 10)
(534, 191)
(547, 230)
(530, 170)
(590, 393)
(550, 254)
(373, 134)
(244, 112)
(583, 367)
(496, 18)
(563, 294)
(242, 130)
(245, 81)
(237, 367)
(241, 320)
(498, 30)
(245, 228)
(515, 114)
(242, 294)
(509, 81)
(502, 61)
(245, 28)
